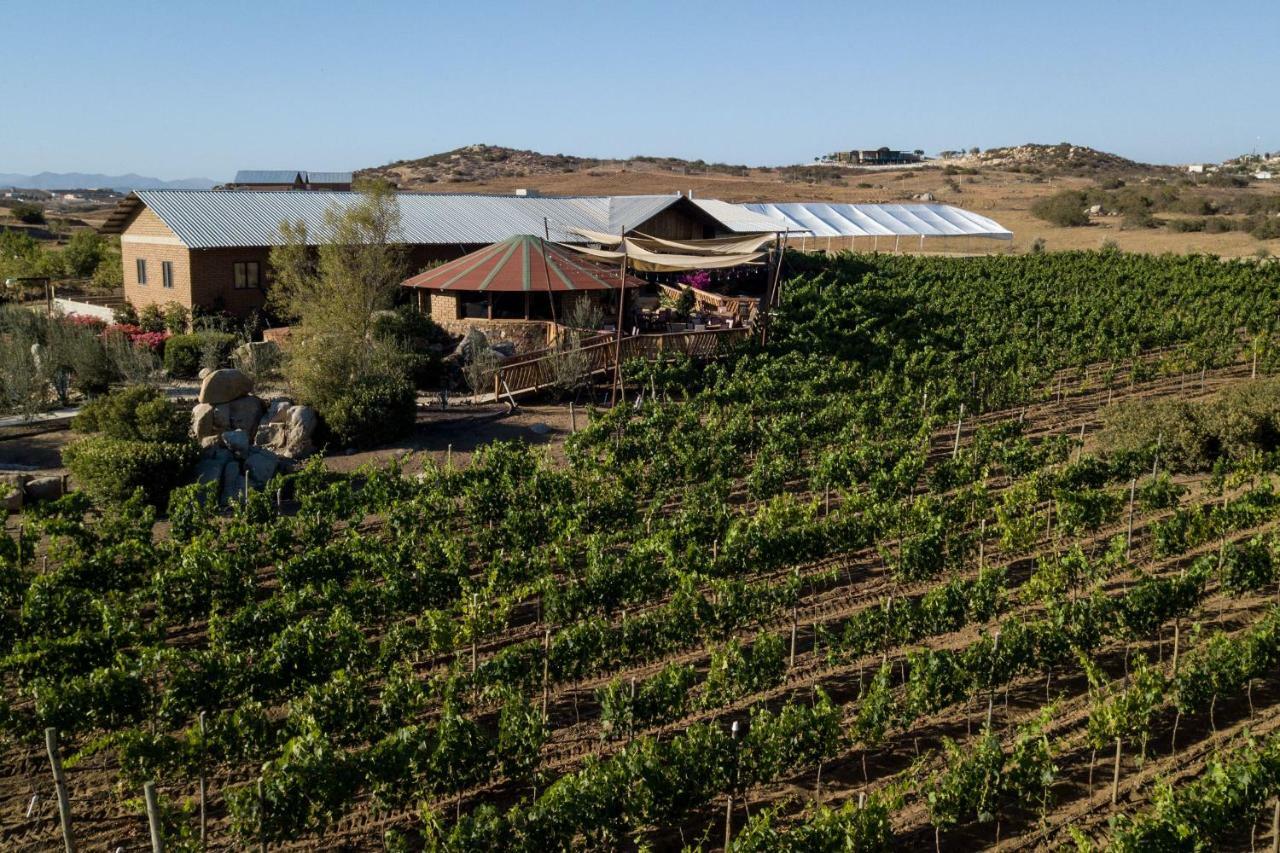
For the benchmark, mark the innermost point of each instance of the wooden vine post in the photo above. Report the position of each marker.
(991, 694)
(60, 785)
(546, 665)
(204, 761)
(262, 819)
(153, 817)
(955, 447)
(1128, 544)
(1275, 827)
(728, 800)
(1115, 776)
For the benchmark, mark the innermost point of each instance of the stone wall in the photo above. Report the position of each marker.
(527, 335)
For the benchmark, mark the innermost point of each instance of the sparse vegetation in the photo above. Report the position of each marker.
(1065, 209)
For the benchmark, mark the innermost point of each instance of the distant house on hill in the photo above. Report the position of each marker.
(282, 180)
(211, 248)
(878, 157)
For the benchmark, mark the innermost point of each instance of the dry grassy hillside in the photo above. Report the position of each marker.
(1002, 183)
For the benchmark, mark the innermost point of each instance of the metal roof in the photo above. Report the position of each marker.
(207, 219)
(882, 220)
(328, 177)
(525, 263)
(268, 176)
(741, 219)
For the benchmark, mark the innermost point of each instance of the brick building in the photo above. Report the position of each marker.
(210, 249)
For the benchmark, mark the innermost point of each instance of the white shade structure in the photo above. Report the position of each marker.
(823, 219)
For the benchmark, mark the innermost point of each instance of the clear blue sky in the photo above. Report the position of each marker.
(183, 88)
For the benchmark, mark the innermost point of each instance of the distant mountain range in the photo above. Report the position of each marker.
(83, 181)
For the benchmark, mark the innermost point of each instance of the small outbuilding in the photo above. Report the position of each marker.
(517, 288)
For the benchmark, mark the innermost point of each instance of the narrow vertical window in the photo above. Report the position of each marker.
(142, 271)
(166, 273)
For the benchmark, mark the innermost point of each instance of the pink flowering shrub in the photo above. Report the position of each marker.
(86, 321)
(153, 341)
(698, 279)
(129, 330)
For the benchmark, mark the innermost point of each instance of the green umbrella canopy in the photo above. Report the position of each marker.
(523, 263)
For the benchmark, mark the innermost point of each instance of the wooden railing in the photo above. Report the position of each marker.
(526, 374)
(716, 303)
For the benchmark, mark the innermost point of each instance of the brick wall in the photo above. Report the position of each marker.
(149, 239)
(213, 278)
(443, 307)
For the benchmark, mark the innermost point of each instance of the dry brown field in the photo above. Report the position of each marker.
(1002, 195)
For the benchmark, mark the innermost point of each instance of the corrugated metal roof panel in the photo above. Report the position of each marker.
(267, 176)
(740, 218)
(205, 219)
(329, 177)
(883, 220)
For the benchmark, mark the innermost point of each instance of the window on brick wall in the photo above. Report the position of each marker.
(246, 275)
(142, 271)
(166, 273)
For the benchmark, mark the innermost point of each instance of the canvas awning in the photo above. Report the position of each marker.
(643, 260)
(714, 246)
(524, 263)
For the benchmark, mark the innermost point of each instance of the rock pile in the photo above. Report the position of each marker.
(17, 489)
(246, 437)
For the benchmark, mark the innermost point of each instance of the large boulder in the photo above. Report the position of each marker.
(203, 422)
(222, 416)
(223, 386)
(277, 411)
(301, 426)
(261, 465)
(232, 482)
(244, 413)
(258, 355)
(11, 494)
(271, 434)
(209, 468)
(45, 488)
(466, 349)
(237, 441)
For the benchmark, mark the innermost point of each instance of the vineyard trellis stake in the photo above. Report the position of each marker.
(204, 760)
(60, 786)
(728, 800)
(1128, 545)
(262, 818)
(955, 448)
(153, 817)
(1115, 776)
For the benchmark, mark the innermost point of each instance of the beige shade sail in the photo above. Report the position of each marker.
(643, 260)
(714, 246)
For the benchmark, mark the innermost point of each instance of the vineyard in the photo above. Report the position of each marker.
(970, 553)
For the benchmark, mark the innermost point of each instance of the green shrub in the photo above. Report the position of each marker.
(1066, 209)
(110, 469)
(151, 318)
(125, 315)
(375, 410)
(184, 354)
(134, 413)
(177, 319)
(1193, 434)
(31, 214)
